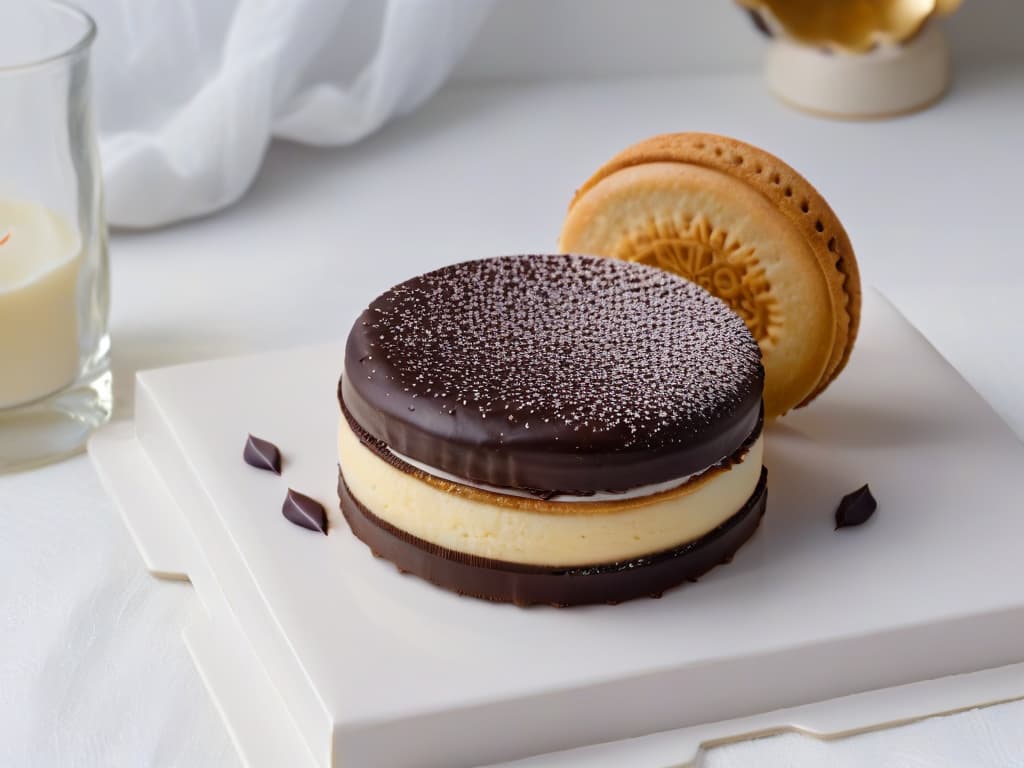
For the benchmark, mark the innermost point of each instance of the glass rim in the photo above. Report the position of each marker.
(81, 42)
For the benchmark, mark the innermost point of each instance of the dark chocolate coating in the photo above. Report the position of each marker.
(380, 448)
(506, 582)
(554, 373)
(856, 508)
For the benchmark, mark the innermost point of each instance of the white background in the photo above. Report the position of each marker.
(530, 39)
(92, 670)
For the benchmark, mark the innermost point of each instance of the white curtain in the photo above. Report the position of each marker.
(190, 92)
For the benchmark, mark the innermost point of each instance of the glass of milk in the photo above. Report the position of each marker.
(55, 385)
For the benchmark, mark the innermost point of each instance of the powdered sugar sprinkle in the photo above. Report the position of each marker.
(573, 342)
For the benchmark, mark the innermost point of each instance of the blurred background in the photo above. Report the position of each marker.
(270, 165)
(431, 131)
(191, 92)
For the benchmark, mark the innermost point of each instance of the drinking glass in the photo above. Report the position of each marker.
(55, 384)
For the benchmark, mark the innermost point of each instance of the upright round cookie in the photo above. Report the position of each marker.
(748, 228)
(551, 429)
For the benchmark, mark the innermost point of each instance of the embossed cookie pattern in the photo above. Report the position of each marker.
(693, 248)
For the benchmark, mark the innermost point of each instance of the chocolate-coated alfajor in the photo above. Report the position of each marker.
(555, 416)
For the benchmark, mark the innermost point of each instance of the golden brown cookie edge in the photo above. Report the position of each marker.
(788, 190)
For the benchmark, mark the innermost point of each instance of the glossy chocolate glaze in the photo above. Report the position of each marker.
(554, 373)
(506, 582)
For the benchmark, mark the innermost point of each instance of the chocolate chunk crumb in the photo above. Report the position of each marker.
(262, 455)
(856, 508)
(304, 512)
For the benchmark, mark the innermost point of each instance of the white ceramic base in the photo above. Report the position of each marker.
(890, 80)
(320, 655)
(826, 720)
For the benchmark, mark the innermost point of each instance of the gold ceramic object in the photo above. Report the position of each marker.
(855, 26)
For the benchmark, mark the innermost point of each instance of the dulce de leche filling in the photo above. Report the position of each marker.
(511, 528)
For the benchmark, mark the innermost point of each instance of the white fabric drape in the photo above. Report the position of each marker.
(189, 93)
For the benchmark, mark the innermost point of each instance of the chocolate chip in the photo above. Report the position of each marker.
(856, 508)
(262, 455)
(304, 512)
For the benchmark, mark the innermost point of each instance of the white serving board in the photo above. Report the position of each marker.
(316, 651)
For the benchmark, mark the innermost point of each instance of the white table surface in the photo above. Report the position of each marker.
(92, 668)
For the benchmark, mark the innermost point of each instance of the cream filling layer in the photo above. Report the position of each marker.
(565, 498)
(553, 533)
